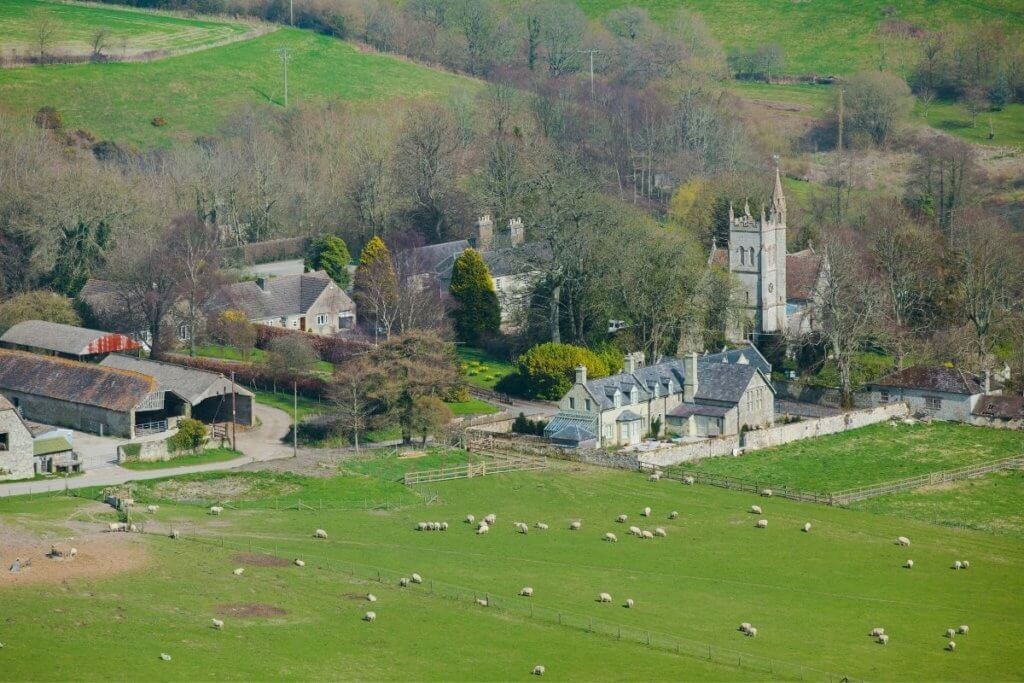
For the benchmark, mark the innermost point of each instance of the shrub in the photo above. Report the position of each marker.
(524, 425)
(191, 436)
(329, 254)
(476, 312)
(48, 118)
(546, 371)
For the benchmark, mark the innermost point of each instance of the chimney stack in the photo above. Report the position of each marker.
(988, 382)
(690, 380)
(629, 363)
(484, 233)
(581, 374)
(516, 232)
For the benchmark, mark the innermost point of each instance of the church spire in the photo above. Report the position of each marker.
(778, 199)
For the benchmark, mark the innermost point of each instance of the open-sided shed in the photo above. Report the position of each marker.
(66, 341)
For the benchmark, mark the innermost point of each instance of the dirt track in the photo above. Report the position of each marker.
(100, 555)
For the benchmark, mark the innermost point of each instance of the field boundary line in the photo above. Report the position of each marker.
(502, 464)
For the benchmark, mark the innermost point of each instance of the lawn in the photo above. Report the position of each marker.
(473, 406)
(130, 31)
(813, 597)
(869, 455)
(207, 456)
(283, 400)
(482, 369)
(321, 367)
(194, 93)
(389, 465)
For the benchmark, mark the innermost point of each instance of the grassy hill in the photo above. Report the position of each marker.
(194, 92)
(130, 31)
(824, 36)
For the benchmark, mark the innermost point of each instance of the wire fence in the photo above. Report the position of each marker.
(529, 608)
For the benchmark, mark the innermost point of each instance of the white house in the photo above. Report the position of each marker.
(941, 392)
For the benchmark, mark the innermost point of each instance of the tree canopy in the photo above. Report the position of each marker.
(477, 312)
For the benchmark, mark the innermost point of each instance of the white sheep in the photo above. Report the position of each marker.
(542, 526)
(673, 515)
(370, 597)
(432, 526)
(164, 656)
(762, 524)
(767, 493)
(883, 639)
(319, 533)
(951, 646)
(611, 537)
(756, 509)
(964, 628)
(807, 527)
(152, 508)
(634, 531)
(950, 632)
(300, 563)
(482, 523)
(491, 519)
(629, 603)
(752, 631)
(526, 592)
(958, 565)
(216, 510)
(470, 519)
(745, 626)
(621, 519)
(370, 616)
(523, 528)
(416, 578)
(73, 553)
(604, 597)
(174, 533)
(444, 526)
(909, 564)
(117, 526)
(421, 526)
(902, 540)
(217, 624)
(660, 532)
(133, 528)
(647, 534)
(482, 529)
(239, 571)
(539, 670)
(403, 582)
(877, 631)
(966, 564)
(576, 526)
(647, 512)
(688, 480)
(482, 602)
(655, 477)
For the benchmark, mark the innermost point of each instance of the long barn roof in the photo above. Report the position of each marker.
(189, 383)
(66, 339)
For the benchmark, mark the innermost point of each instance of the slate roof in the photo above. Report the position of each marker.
(191, 384)
(66, 339)
(688, 409)
(525, 258)
(54, 444)
(280, 296)
(573, 433)
(742, 355)
(627, 416)
(5, 404)
(802, 271)
(933, 378)
(1002, 407)
(73, 381)
(429, 258)
(724, 382)
(101, 292)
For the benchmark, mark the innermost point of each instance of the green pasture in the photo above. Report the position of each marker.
(391, 466)
(480, 368)
(207, 456)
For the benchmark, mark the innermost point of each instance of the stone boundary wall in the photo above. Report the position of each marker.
(149, 451)
(479, 440)
(991, 423)
(688, 452)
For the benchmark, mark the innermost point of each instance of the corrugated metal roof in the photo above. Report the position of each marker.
(66, 339)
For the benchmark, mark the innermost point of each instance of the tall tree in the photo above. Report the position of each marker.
(376, 287)
(427, 161)
(329, 253)
(81, 249)
(355, 391)
(195, 259)
(477, 312)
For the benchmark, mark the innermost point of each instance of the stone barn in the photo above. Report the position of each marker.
(207, 395)
(82, 396)
(15, 444)
(66, 341)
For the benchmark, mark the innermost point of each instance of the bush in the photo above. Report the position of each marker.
(524, 425)
(330, 349)
(329, 254)
(546, 371)
(48, 118)
(191, 436)
(253, 375)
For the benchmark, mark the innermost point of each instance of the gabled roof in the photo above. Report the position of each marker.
(280, 296)
(1001, 407)
(429, 258)
(627, 416)
(688, 409)
(723, 382)
(802, 271)
(66, 339)
(933, 378)
(742, 356)
(191, 384)
(73, 381)
(525, 258)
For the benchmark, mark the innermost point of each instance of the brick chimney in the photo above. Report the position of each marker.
(483, 233)
(516, 232)
(581, 374)
(690, 381)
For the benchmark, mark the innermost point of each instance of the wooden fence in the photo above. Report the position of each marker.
(846, 496)
(488, 395)
(495, 464)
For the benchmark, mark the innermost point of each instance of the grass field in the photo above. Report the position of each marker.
(195, 92)
(321, 367)
(482, 369)
(869, 455)
(130, 31)
(207, 456)
(387, 465)
(813, 597)
(824, 36)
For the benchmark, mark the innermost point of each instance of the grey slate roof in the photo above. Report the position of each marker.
(745, 354)
(723, 382)
(430, 258)
(933, 378)
(282, 296)
(627, 416)
(688, 409)
(189, 383)
(66, 339)
(525, 258)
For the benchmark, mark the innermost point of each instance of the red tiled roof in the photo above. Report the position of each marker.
(802, 270)
(1003, 407)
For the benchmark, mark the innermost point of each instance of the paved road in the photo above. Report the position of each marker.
(258, 444)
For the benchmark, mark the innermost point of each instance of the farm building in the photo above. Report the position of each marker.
(65, 341)
(15, 444)
(938, 391)
(79, 395)
(54, 454)
(206, 395)
(999, 411)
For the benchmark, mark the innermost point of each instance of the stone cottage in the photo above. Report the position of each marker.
(310, 302)
(938, 391)
(16, 450)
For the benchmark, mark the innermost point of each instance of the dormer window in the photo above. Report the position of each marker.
(617, 398)
(633, 395)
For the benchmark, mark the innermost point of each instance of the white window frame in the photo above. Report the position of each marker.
(184, 332)
(321, 318)
(933, 404)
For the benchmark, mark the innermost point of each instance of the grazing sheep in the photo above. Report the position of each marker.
(73, 553)
(673, 515)
(491, 519)
(482, 529)
(950, 632)
(117, 526)
(576, 526)
(745, 626)
(319, 533)
(604, 597)
(762, 524)
(370, 597)
(164, 656)
(647, 512)
(611, 537)
(634, 531)
(482, 523)
(403, 582)
(470, 519)
(660, 532)
(421, 526)
(909, 564)
(964, 628)
(877, 631)
(444, 526)
(217, 624)
(621, 519)
(431, 526)
(767, 493)
(526, 592)
(239, 571)
(174, 533)
(647, 534)
(902, 540)
(416, 578)
(539, 670)
(951, 646)
(958, 565)
(966, 564)
(756, 509)
(300, 563)
(807, 527)
(132, 528)
(688, 480)
(152, 508)
(752, 631)
(482, 602)
(216, 510)
(370, 616)
(883, 639)
(542, 526)
(655, 477)
(521, 527)
(629, 603)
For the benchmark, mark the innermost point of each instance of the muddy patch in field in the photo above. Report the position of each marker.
(221, 488)
(260, 560)
(250, 610)
(98, 556)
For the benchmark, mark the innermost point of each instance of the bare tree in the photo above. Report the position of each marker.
(353, 392)
(99, 40)
(426, 167)
(194, 256)
(44, 30)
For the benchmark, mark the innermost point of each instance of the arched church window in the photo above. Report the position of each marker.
(743, 256)
(752, 261)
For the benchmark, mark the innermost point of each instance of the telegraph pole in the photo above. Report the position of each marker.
(291, 12)
(591, 53)
(285, 57)
(295, 419)
(234, 444)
